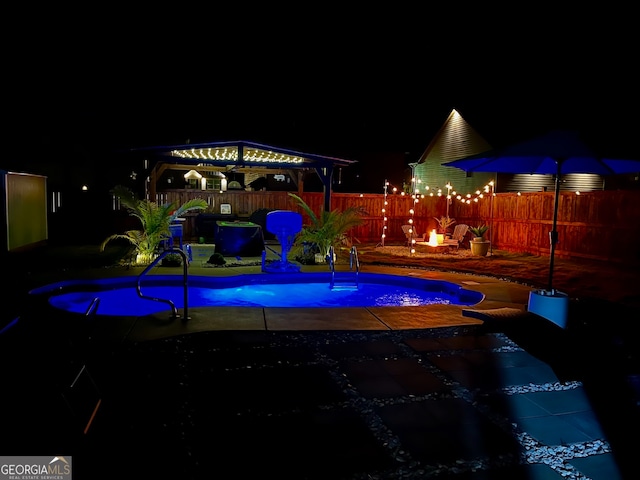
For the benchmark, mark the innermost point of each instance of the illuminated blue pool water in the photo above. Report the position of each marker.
(119, 297)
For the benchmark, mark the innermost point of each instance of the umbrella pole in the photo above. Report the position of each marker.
(553, 234)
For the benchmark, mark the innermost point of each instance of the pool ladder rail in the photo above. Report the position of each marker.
(185, 283)
(348, 280)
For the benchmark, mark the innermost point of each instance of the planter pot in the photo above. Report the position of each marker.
(480, 248)
(550, 304)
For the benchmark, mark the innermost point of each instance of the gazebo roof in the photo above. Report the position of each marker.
(243, 156)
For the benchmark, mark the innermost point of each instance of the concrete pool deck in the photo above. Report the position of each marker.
(390, 392)
(497, 294)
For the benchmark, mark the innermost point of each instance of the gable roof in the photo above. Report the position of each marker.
(454, 140)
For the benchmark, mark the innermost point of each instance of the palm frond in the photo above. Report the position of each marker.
(301, 203)
(126, 196)
(330, 227)
(155, 220)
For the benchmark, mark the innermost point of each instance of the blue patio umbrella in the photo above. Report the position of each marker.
(556, 153)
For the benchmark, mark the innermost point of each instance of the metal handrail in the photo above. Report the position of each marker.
(353, 261)
(93, 307)
(184, 282)
(332, 266)
(353, 254)
(90, 313)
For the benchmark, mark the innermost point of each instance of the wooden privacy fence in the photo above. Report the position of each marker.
(601, 225)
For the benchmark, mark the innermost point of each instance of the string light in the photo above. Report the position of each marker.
(416, 195)
(453, 194)
(231, 154)
(384, 213)
(412, 242)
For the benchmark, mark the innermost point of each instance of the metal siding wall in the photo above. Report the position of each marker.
(436, 177)
(537, 183)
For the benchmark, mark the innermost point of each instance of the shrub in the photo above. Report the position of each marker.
(217, 259)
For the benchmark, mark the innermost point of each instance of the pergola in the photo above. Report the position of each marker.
(242, 157)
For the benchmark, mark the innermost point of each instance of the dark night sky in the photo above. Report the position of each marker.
(338, 85)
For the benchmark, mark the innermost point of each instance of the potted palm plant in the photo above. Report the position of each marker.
(329, 229)
(155, 222)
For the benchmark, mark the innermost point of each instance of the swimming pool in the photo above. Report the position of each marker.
(118, 296)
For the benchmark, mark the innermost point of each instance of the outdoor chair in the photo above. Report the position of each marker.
(459, 233)
(175, 232)
(407, 233)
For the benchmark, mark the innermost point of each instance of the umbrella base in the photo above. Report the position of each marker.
(550, 304)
